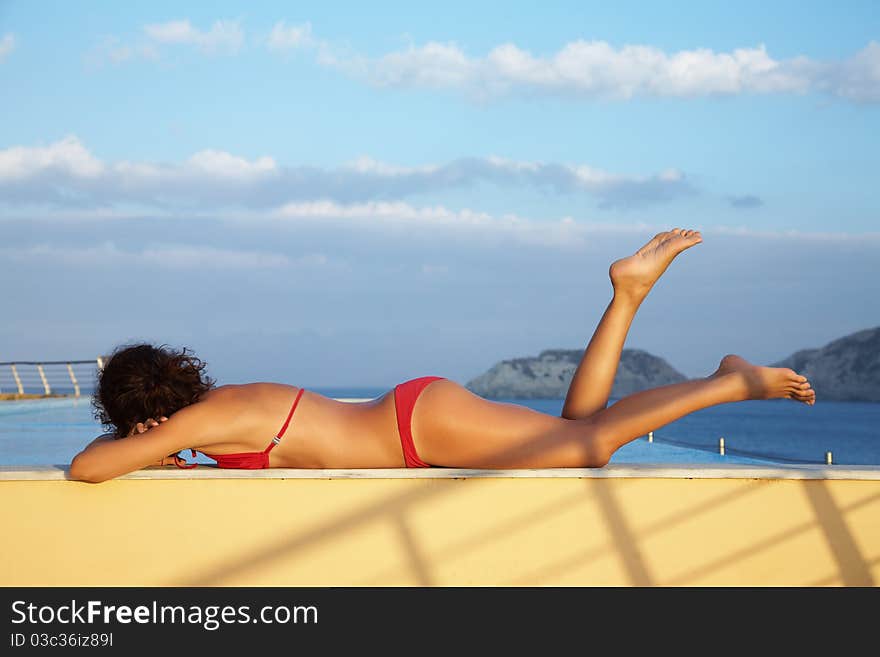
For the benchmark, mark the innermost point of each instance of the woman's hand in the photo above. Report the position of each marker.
(144, 426)
(173, 459)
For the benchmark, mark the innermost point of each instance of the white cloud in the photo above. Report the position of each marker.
(203, 256)
(287, 37)
(590, 69)
(401, 216)
(381, 210)
(213, 178)
(612, 189)
(7, 45)
(174, 256)
(111, 49)
(858, 78)
(225, 165)
(224, 35)
(580, 69)
(432, 65)
(368, 165)
(565, 232)
(598, 70)
(67, 157)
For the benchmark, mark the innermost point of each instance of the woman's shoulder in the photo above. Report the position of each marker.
(240, 398)
(248, 390)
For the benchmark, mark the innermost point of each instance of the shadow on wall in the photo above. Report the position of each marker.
(629, 538)
(645, 538)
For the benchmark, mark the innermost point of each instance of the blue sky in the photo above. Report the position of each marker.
(330, 194)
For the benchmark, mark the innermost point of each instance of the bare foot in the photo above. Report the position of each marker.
(634, 275)
(768, 382)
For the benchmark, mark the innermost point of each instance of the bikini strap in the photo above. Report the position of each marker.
(277, 438)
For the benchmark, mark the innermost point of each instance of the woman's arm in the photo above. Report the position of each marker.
(139, 428)
(149, 443)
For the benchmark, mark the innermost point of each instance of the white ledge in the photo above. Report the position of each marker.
(631, 471)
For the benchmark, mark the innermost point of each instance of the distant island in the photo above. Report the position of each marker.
(549, 375)
(847, 369)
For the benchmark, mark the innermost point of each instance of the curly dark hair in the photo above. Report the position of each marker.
(141, 381)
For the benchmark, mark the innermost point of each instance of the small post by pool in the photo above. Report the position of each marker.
(828, 459)
(721, 446)
(650, 436)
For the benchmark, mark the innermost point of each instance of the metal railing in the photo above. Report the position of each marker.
(46, 378)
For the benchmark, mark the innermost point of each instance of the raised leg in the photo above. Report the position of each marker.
(593, 379)
(632, 278)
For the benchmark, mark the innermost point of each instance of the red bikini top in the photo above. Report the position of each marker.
(249, 460)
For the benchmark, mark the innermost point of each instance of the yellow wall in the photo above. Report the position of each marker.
(495, 531)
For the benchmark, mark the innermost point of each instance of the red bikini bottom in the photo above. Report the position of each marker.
(405, 396)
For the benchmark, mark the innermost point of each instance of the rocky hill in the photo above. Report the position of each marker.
(549, 375)
(847, 369)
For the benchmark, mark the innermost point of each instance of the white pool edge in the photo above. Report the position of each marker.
(623, 471)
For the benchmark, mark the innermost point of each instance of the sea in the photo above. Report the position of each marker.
(52, 430)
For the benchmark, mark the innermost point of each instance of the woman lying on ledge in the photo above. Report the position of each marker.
(160, 403)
